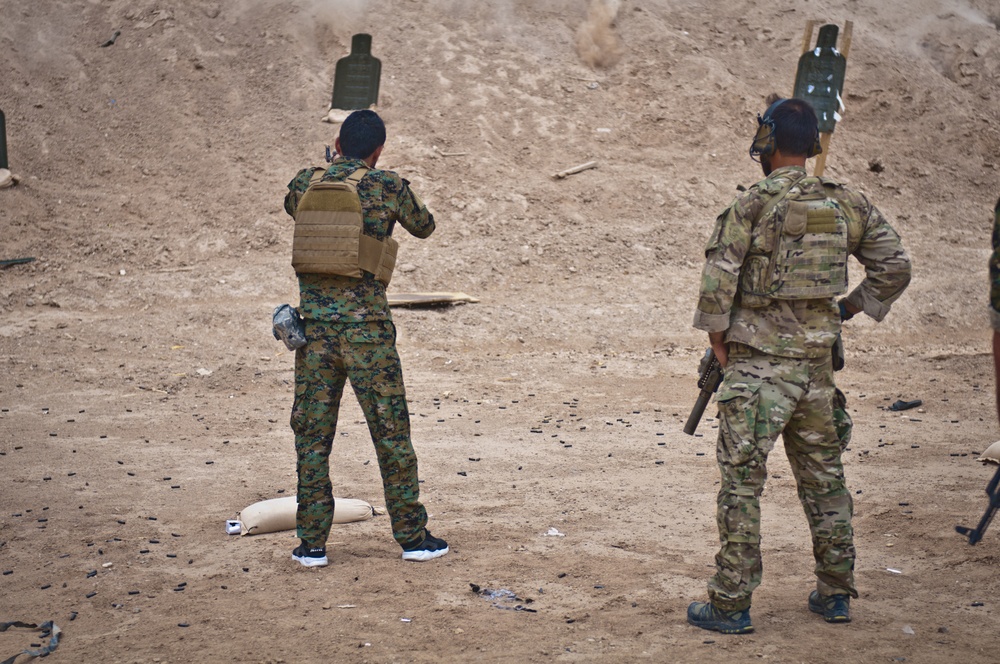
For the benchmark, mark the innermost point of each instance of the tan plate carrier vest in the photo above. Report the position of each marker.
(808, 242)
(329, 233)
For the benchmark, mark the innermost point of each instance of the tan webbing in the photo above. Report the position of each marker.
(377, 257)
(809, 256)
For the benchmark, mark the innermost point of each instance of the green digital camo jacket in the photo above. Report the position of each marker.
(995, 271)
(386, 199)
(795, 328)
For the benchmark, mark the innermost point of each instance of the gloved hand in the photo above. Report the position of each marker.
(844, 313)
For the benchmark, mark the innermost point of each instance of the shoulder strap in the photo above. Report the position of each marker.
(356, 176)
(317, 175)
(777, 198)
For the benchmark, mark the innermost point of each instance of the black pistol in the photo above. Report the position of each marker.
(993, 491)
(709, 378)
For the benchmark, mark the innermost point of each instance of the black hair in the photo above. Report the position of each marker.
(795, 126)
(362, 133)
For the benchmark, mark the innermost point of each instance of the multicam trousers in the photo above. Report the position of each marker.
(761, 397)
(365, 353)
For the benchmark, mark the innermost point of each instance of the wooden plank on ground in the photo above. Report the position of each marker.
(429, 299)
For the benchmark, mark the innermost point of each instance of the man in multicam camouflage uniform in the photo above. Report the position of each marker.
(775, 263)
(995, 300)
(351, 335)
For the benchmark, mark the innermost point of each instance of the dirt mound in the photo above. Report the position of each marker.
(145, 400)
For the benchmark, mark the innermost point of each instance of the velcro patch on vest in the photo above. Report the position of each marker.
(823, 220)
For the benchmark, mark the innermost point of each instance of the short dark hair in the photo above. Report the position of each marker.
(362, 133)
(795, 126)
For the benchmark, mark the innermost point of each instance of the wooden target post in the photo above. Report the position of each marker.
(3, 141)
(820, 79)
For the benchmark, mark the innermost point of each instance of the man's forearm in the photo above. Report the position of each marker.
(718, 342)
(850, 307)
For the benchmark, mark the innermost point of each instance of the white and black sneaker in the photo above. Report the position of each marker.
(427, 549)
(310, 556)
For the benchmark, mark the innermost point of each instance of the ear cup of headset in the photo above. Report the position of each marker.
(764, 143)
(816, 148)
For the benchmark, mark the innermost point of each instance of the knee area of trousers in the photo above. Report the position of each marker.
(745, 542)
(738, 492)
(823, 489)
(399, 451)
(314, 481)
(307, 426)
(311, 498)
(312, 454)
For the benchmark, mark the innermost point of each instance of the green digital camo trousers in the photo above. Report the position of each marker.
(761, 397)
(365, 353)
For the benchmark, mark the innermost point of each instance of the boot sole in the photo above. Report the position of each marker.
(311, 562)
(722, 628)
(423, 556)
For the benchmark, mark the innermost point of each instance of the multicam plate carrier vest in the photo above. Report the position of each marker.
(329, 233)
(800, 243)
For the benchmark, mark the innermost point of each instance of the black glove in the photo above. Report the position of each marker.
(844, 313)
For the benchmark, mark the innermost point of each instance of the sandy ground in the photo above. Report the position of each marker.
(144, 401)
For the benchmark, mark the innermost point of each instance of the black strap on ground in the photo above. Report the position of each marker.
(15, 261)
(48, 629)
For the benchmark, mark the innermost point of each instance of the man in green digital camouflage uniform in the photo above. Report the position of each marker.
(775, 265)
(995, 301)
(351, 335)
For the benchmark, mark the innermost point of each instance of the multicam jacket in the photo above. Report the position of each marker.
(995, 271)
(385, 198)
(789, 327)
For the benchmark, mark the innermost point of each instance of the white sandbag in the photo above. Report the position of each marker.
(7, 179)
(277, 514)
(336, 116)
(992, 453)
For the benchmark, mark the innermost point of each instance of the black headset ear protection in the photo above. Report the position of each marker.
(764, 143)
